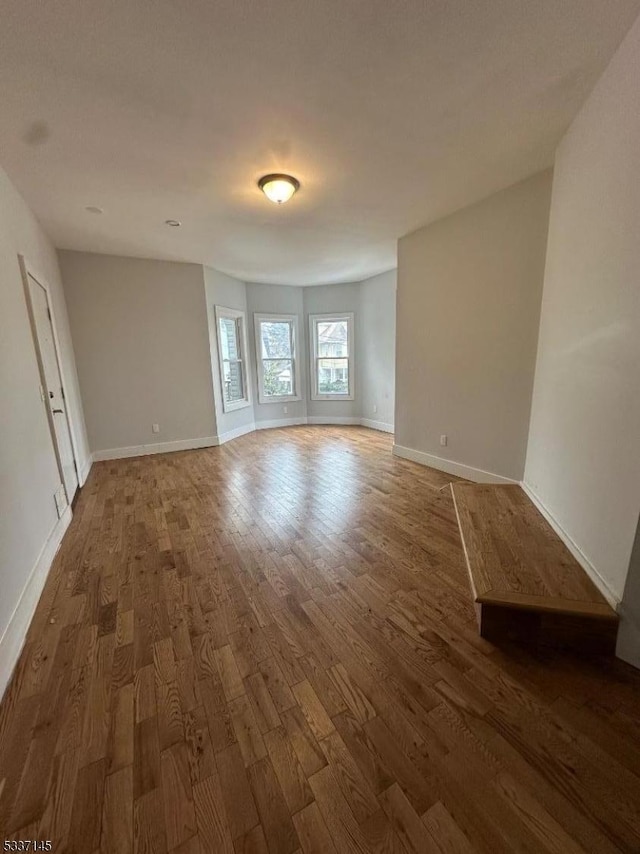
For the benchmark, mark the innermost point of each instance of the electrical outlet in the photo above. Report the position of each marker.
(155, 428)
(443, 440)
(285, 409)
(375, 408)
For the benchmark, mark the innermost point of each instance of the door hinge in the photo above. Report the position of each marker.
(48, 312)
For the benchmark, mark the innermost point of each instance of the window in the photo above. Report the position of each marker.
(232, 347)
(332, 356)
(276, 353)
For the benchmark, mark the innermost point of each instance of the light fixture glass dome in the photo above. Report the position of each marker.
(278, 188)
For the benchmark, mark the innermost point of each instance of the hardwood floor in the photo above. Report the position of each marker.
(271, 647)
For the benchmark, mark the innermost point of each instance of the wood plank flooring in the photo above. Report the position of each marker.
(271, 647)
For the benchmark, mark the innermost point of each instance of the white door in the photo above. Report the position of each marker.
(53, 390)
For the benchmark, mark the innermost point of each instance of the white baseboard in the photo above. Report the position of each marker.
(280, 422)
(221, 438)
(157, 448)
(574, 548)
(326, 419)
(84, 471)
(333, 419)
(14, 635)
(212, 441)
(377, 425)
(450, 466)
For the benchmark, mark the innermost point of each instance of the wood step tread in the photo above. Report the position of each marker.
(526, 602)
(516, 560)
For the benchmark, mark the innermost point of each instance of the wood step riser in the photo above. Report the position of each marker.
(583, 635)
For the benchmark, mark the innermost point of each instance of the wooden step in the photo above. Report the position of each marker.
(526, 584)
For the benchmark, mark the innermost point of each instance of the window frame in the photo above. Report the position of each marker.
(314, 319)
(240, 319)
(292, 319)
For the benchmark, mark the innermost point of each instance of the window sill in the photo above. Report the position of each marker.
(283, 398)
(337, 398)
(232, 407)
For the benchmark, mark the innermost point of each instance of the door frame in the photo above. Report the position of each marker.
(27, 270)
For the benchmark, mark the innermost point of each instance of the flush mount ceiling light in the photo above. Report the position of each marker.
(278, 188)
(174, 223)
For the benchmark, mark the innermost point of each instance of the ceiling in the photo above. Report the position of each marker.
(391, 113)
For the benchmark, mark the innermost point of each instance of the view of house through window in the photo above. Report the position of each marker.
(332, 346)
(276, 350)
(231, 350)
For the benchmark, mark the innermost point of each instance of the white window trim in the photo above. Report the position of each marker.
(234, 314)
(274, 318)
(313, 349)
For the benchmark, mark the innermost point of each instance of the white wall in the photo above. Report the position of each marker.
(583, 459)
(278, 299)
(376, 335)
(468, 306)
(29, 530)
(224, 291)
(142, 344)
